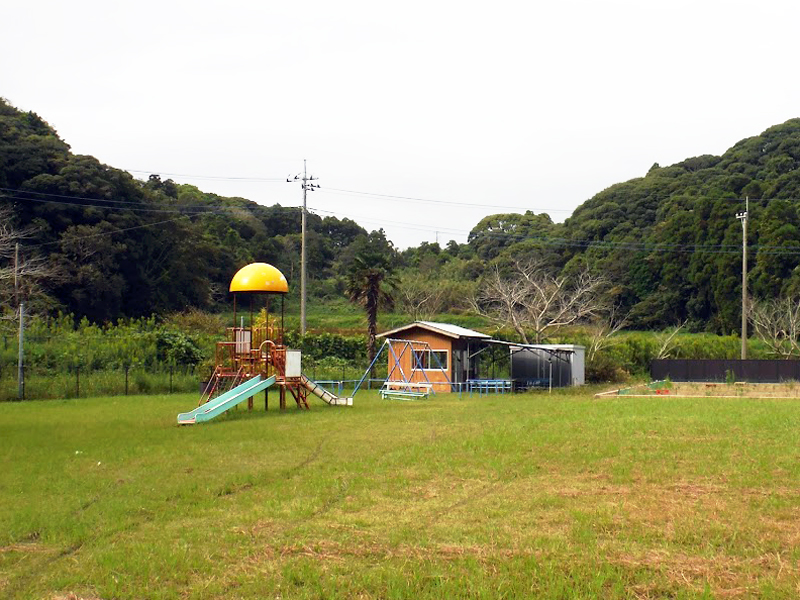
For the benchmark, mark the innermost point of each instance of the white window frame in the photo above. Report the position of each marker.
(430, 367)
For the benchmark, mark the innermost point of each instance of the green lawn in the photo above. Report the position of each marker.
(560, 496)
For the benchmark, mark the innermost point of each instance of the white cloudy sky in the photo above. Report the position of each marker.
(508, 105)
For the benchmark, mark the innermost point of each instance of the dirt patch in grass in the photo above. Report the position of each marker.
(712, 390)
(335, 551)
(26, 548)
(743, 390)
(726, 576)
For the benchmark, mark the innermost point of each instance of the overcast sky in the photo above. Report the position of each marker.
(506, 105)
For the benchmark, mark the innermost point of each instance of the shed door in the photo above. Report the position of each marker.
(460, 364)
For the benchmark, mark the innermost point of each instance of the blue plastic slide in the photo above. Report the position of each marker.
(220, 404)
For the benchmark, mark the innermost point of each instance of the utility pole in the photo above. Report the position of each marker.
(21, 360)
(21, 356)
(742, 215)
(305, 179)
(16, 269)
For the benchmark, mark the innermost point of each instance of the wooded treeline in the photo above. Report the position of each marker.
(98, 243)
(106, 245)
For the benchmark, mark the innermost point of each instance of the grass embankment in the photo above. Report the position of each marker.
(544, 496)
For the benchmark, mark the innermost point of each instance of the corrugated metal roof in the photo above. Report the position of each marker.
(447, 329)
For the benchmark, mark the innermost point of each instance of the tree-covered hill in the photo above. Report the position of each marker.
(98, 243)
(671, 241)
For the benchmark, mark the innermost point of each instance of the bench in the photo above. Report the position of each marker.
(401, 390)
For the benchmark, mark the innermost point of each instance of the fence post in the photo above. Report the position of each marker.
(78, 381)
(170, 378)
(126, 379)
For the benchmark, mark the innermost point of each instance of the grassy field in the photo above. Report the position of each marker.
(560, 496)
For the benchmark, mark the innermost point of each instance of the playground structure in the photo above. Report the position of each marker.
(414, 370)
(254, 358)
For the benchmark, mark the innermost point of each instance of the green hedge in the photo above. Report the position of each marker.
(58, 344)
(318, 346)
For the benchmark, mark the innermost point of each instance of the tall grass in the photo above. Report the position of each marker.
(83, 383)
(60, 343)
(535, 495)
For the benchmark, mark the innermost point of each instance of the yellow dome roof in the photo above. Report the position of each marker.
(259, 277)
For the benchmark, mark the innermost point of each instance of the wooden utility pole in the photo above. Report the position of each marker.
(303, 257)
(307, 186)
(743, 216)
(16, 269)
(21, 305)
(20, 361)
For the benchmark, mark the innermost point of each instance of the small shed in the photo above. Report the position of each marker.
(438, 353)
(545, 365)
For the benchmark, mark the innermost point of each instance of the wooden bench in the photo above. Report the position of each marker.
(401, 390)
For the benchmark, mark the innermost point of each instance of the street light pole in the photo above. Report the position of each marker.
(742, 215)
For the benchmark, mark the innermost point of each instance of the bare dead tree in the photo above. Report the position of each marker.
(419, 297)
(21, 275)
(666, 340)
(533, 299)
(603, 329)
(776, 322)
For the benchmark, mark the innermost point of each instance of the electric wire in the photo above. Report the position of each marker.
(417, 227)
(431, 201)
(127, 205)
(501, 235)
(209, 177)
(593, 244)
(194, 210)
(103, 233)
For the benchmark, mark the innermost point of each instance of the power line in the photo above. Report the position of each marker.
(447, 202)
(195, 210)
(208, 177)
(598, 244)
(393, 223)
(120, 208)
(126, 205)
(51, 195)
(102, 233)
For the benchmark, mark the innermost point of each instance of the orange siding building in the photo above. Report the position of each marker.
(435, 353)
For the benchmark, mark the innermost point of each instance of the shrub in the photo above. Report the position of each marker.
(177, 348)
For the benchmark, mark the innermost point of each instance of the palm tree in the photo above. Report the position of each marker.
(370, 281)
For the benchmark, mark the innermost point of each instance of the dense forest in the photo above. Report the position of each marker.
(98, 243)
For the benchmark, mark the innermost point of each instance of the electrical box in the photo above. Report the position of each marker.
(294, 363)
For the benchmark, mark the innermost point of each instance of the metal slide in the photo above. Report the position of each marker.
(220, 404)
(326, 396)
